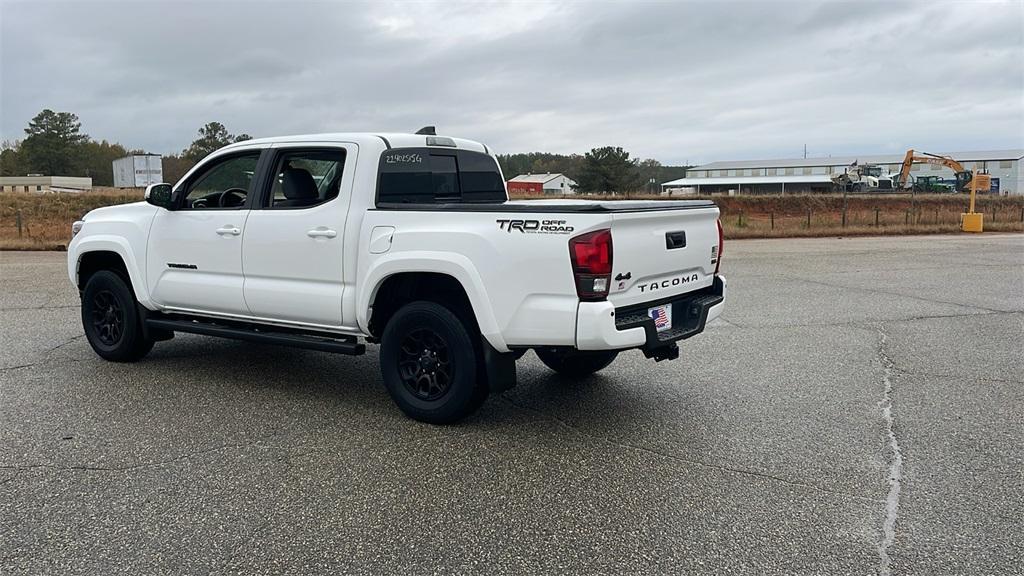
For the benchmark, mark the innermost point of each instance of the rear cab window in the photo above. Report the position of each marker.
(303, 178)
(438, 176)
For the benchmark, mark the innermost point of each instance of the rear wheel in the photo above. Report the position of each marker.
(576, 363)
(111, 320)
(429, 363)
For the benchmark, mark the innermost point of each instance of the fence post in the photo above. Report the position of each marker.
(936, 215)
(844, 215)
(994, 212)
(740, 222)
(1022, 213)
(876, 217)
(906, 218)
(809, 218)
(772, 216)
(18, 218)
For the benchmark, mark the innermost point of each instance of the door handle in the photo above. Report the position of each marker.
(321, 232)
(675, 240)
(232, 230)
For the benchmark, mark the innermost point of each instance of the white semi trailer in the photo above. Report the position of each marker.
(138, 171)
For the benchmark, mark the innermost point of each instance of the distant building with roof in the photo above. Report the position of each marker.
(542, 184)
(43, 184)
(812, 175)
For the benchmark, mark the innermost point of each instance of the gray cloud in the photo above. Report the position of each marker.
(674, 81)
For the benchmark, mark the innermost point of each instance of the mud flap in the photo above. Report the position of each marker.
(499, 368)
(155, 334)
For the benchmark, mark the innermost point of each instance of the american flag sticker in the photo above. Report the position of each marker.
(662, 317)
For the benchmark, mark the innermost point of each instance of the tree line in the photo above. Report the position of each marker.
(54, 144)
(607, 169)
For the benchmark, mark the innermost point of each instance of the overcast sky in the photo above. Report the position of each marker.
(676, 81)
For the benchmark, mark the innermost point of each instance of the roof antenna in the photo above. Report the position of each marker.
(427, 130)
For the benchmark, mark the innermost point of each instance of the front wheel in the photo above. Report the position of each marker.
(111, 320)
(576, 363)
(429, 363)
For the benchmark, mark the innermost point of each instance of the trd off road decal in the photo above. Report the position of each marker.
(535, 226)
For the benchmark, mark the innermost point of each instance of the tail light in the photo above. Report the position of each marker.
(721, 244)
(591, 256)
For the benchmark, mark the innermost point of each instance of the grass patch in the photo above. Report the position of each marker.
(814, 215)
(46, 218)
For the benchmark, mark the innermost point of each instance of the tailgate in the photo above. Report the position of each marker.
(664, 253)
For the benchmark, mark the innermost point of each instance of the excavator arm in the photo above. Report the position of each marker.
(963, 177)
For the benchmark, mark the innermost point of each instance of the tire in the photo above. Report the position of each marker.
(430, 363)
(111, 319)
(576, 363)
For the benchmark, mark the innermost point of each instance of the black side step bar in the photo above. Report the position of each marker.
(252, 334)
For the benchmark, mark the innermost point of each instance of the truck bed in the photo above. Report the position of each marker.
(554, 206)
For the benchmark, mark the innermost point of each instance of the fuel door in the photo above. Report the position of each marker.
(380, 239)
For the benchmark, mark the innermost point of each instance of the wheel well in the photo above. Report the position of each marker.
(92, 262)
(400, 289)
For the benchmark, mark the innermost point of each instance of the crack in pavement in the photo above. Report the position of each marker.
(44, 354)
(289, 455)
(869, 324)
(65, 343)
(889, 293)
(58, 307)
(892, 500)
(13, 476)
(189, 455)
(673, 457)
(20, 366)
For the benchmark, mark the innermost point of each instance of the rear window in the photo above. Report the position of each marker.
(430, 175)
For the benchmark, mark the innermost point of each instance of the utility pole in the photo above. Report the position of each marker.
(805, 151)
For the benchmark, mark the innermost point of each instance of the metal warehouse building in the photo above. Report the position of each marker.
(812, 175)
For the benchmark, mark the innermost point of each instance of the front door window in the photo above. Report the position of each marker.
(225, 184)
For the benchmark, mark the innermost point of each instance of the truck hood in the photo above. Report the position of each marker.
(120, 211)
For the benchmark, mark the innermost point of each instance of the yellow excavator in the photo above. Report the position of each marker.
(972, 181)
(963, 176)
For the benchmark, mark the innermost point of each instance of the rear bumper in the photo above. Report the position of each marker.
(600, 326)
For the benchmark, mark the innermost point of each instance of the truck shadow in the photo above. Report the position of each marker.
(613, 402)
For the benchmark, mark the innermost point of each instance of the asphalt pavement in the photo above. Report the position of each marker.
(859, 409)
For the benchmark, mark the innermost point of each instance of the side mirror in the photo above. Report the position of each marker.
(160, 195)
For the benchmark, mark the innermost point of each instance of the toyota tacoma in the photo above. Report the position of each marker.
(409, 241)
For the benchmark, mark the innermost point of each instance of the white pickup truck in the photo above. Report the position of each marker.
(406, 240)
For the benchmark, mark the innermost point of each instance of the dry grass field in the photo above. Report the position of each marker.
(765, 216)
(794, 216)
(45, 220)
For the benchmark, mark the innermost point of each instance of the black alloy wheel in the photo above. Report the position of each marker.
(424, 364)
(107, 317)
(111, 319)
(431, 364)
